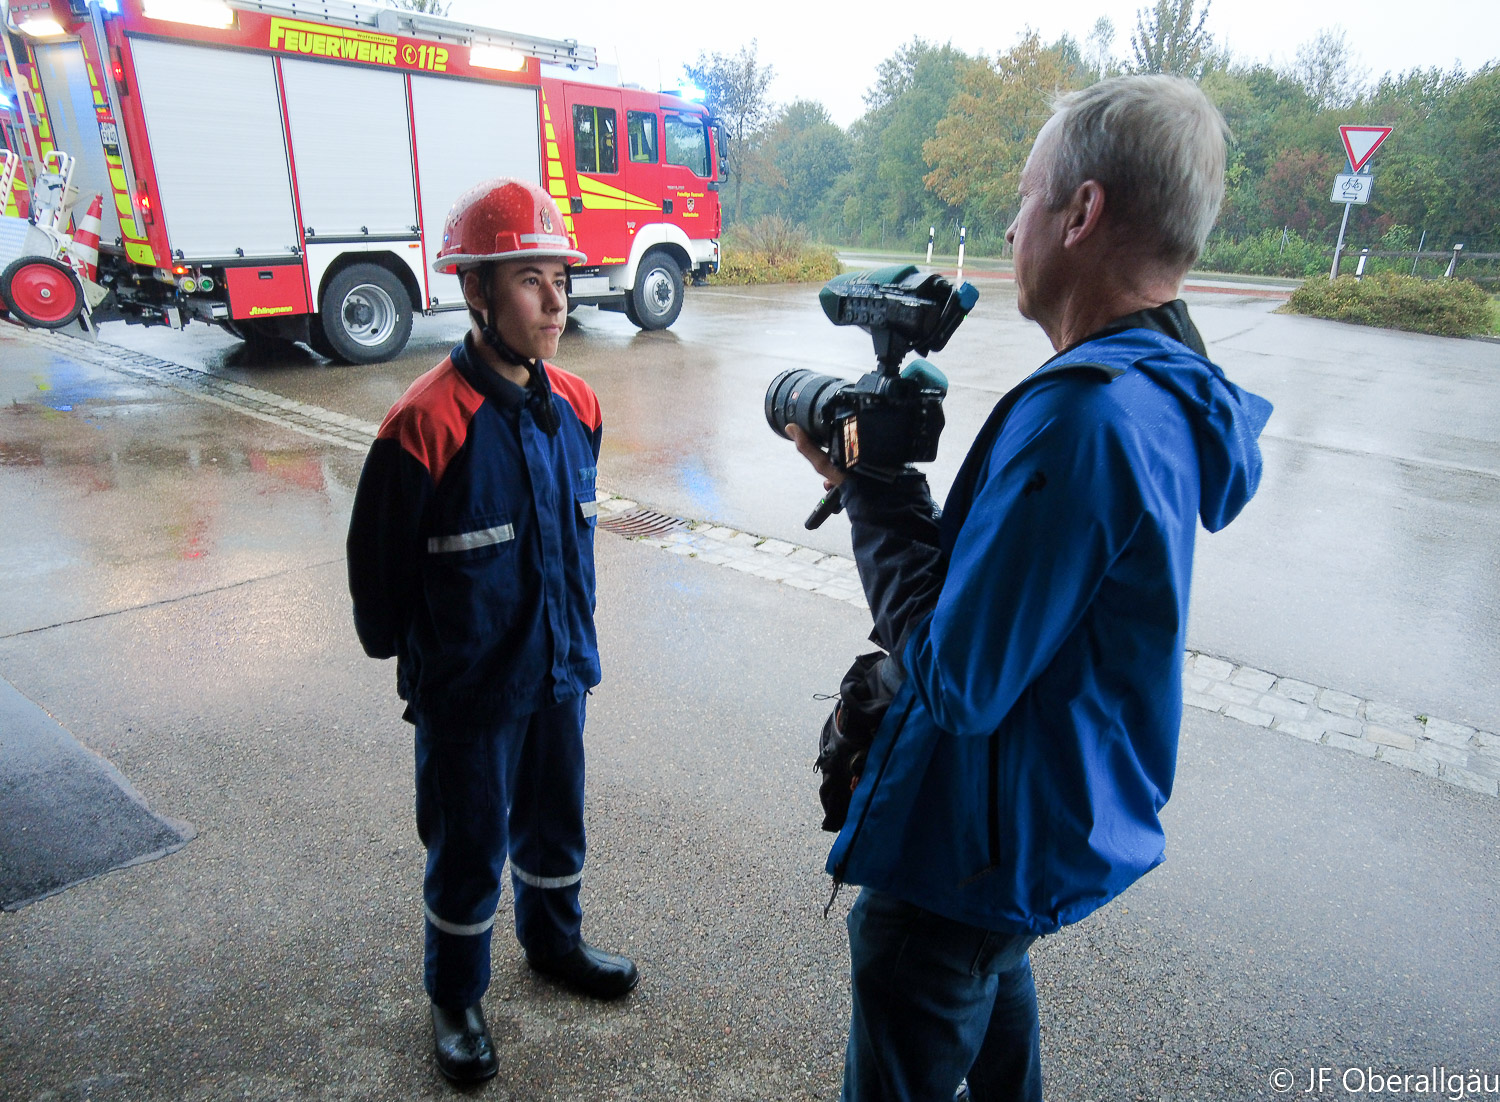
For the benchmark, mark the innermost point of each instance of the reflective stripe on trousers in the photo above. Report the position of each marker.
(512, 791)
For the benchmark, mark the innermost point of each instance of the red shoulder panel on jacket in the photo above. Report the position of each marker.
(579, 395)
(431, 420)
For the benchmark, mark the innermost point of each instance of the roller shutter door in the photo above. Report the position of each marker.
(351, 143)
(75, 128)
(468, 133)
(213, 118)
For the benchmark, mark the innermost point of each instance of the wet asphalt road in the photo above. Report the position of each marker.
(1369, 562)
(173, 583)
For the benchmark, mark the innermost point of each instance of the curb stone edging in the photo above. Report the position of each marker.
(1453, 752)
(1458, 754)
(321, 424)
(776, 560)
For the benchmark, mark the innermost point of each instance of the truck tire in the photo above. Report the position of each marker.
(657, 298)
(366, 314)
(41, 292)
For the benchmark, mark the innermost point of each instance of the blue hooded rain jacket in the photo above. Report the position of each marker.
(1016, 780)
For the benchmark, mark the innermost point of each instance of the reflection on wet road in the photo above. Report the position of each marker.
(116, 518)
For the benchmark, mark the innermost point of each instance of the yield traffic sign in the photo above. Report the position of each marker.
(1361, 142)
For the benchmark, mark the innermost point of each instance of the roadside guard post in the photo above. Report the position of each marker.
(1453, 264)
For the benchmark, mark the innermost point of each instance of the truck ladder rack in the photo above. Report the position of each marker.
(7, 175)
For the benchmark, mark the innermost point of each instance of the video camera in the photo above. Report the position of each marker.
(891, 417)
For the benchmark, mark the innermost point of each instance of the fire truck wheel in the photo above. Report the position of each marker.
(366, 314)
(41, 292)
(657, 298)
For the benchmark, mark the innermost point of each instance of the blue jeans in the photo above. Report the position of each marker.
(936, 1001)
(513, 791)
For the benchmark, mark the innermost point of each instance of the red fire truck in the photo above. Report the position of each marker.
(282, 168)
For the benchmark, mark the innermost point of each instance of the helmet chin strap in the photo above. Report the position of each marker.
(538, 393)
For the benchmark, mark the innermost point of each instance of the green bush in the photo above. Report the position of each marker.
(773, 250)
(1447, 307)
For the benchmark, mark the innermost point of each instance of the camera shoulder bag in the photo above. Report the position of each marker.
(864, 696)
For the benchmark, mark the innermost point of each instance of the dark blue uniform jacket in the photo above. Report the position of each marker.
(471, 546)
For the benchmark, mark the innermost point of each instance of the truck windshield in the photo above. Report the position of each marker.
(687, 143)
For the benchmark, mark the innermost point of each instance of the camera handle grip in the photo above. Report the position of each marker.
(833, 502)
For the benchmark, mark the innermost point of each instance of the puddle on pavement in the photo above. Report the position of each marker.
(119, 494)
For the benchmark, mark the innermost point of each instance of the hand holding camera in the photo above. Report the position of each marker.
(878, 426)
(891, 417)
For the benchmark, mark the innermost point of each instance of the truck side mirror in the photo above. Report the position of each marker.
(721, 149)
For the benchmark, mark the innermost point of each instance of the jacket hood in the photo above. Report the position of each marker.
(1227, 421)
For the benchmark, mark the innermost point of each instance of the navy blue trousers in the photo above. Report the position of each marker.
(936, 1001)
(513, 791)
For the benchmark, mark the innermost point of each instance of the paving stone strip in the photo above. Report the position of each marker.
(1451, 752)
(197, 382)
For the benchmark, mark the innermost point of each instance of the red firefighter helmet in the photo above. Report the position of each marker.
(503, 219)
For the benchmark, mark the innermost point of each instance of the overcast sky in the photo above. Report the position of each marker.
(827, 50)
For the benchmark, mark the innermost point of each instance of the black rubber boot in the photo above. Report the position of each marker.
(589, 971)
(461, 1043)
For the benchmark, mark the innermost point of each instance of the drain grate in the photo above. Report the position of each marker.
(642, 522)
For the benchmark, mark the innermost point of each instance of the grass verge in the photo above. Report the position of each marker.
(1445, 307)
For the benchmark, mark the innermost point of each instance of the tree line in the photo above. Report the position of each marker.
(945, 133)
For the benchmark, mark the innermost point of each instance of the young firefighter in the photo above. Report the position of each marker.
(471, 560)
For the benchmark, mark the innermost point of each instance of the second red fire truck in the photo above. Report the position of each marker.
(283, 169)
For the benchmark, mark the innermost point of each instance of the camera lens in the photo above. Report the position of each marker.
(800, 397)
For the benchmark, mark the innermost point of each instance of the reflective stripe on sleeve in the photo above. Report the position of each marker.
(545, 881)
(588, 509)
(457, 930)
(468, 541)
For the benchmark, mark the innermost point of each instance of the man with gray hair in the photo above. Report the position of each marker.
(1036, 625)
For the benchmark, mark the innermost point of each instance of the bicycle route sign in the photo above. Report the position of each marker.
(1352, 188)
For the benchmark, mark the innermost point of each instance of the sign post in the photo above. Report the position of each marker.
(1360, 143)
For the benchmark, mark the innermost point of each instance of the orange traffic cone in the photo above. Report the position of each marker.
(84, 251)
